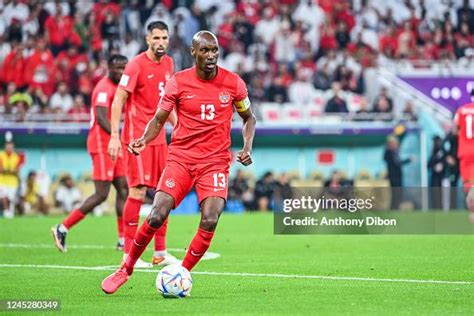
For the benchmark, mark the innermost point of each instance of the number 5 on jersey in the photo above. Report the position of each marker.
(219, 181)
(208, 112)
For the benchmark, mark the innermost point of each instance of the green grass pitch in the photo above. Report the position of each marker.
(367, 274)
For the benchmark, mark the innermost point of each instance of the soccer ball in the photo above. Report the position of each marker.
(174, 281)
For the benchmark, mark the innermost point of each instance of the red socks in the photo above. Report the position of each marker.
(131, 216)
(142, 239)
(75, 217)
(160, 237)
(120, 226)
(198, 248)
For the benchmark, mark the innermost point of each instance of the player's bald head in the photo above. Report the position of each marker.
(204, 38)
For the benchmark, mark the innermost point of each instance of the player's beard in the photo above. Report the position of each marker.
(159, 52)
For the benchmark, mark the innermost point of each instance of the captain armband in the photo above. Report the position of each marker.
(242, 105)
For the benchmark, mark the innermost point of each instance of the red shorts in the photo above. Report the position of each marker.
(104, 169)
(210, 179)
(146, 168)
(466, 168)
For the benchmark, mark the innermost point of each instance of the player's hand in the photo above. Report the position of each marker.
(137, 146)
(115, 148)
(244, 157)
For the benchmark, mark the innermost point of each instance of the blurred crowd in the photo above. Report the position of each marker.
(52, 53)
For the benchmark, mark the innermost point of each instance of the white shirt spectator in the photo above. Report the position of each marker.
(19, 11)
(309, 13)
(61, 102)
(50, 6)
(285, 50)
(301, 92)
(267, 27)
(69, 198)
(160, 13)
(130, 49)
(5, 49)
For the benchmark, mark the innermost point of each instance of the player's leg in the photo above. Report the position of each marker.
(211, 187)
(170, 193)
(60, 231)
(131, 219)
(211, 209)
(161, 255)
(120, 185)
(162, 206)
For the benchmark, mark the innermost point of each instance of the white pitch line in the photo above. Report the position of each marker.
(243, 274)
(207, 256)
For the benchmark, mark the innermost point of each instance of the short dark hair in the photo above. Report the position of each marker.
(157, 25)
(116, 58)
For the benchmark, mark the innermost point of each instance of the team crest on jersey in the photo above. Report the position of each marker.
(147, 177)
(110, 173)
(224, 97)
(170, 183)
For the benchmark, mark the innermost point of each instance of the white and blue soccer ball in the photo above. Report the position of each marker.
(174, 281)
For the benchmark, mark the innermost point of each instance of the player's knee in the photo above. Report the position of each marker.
(158, 215)
(209, 221)
(101, 196)
(122, 193)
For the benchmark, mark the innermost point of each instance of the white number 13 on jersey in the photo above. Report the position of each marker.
(219, 181)
(208, 112)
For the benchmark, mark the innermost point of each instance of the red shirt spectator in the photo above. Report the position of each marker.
(40, 71)
(60, 29)
(72, 57)
(328, 39)
(389, 43)
(250, 9)
(100, 9)
(13, 67)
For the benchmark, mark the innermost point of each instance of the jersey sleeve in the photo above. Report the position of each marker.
(170, 97)
(241, 100)
(129, 78)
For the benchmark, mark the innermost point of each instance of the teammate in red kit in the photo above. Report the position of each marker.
(105, 171)
(140, 88)
(464, 120)
(204, 97)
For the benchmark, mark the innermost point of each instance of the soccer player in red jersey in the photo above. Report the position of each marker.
(204, 97)
(464, 121)
(105, 171)
(141, 86)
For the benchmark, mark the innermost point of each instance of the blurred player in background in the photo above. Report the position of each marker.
(105, 171)
(140, 88)
(204, 97)
(10, 163)
(464, 121)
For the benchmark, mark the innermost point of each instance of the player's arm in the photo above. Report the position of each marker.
(248, 133)
(154, 126)
(152, 130)
(115, 146)
(102, 113)
(173, 118)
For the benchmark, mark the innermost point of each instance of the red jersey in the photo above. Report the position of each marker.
(204, 109)
(103, 95)
(464, 119)
(145, 80)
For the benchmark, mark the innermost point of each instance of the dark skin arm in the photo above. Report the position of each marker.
(102, 113)
(248, 133)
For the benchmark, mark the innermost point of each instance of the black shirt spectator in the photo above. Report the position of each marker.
(336, 104)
